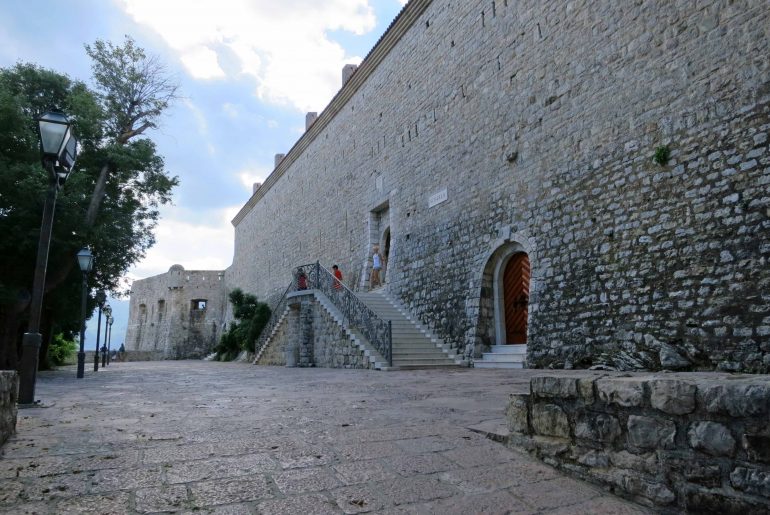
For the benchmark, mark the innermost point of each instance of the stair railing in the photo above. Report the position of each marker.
(377, 331)
(277, 311)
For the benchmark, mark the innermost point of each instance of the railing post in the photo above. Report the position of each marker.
(390, 343)
(318, 274)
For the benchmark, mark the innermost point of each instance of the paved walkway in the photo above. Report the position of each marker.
(230, 438)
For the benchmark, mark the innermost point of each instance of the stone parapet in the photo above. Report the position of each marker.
(9, 390)
(679, 441)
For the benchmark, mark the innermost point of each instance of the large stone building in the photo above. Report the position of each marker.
(502, 156)
(176, 315)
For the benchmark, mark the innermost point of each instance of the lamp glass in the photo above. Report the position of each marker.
(69, 152)
(53, 130)
(85, 260)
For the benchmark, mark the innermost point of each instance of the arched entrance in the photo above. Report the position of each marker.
(386, 255)
(515, 286)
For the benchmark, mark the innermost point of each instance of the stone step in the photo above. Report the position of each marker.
(418, 353)
(488, 364)
(509, 349)
(504, 358)
(412, 348)
(424, 367)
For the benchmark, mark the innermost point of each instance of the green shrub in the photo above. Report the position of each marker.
(61, 351)
(252, 317)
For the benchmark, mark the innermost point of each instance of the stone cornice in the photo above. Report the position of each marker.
(396, 30)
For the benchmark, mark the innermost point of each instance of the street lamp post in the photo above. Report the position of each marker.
(86, 263)
(109, 340)
(107, 316)
(100, 298)
(58, 147)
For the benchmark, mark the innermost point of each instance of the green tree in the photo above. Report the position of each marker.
(252, 316)
(110, 201)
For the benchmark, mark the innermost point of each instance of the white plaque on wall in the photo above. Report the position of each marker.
(437, 198)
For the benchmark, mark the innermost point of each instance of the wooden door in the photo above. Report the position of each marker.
(516, 298)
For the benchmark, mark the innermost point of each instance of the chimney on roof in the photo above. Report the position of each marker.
(310, 118)
(278, 159)
(255, 187)
(347, 71)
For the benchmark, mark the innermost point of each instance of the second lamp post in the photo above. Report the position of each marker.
(86, 263)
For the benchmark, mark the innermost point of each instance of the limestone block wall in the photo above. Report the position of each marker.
(487, 122)
(676, 442)
(332, 347)
(9, 396)
(316, 339)
(177, 315)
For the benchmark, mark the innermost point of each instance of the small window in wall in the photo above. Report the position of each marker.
(161, 309)
(198, 304)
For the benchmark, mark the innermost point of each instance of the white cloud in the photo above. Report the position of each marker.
(202, 63)
(195, 246)
(200, 118)
(251, 175)
(230, 110)
(283, 45)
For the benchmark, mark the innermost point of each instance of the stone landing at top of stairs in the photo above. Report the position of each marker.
(413, 345)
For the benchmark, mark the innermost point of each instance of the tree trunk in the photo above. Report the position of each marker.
(98, 195)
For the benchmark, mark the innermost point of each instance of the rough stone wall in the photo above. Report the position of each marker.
(9, 396)
(677, 442)
(539, 122)
(332, 347)
(316, 338)
(165, 319)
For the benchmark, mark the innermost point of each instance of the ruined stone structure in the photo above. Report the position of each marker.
(588, 180)
(176, 315)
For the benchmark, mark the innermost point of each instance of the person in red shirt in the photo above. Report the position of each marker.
(302, 280)
(337, 277)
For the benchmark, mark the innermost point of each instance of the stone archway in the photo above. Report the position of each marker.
(512, 258)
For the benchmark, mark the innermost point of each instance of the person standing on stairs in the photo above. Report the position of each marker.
(337, 277)
(374, 281)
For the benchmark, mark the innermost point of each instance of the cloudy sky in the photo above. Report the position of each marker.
(249, 70)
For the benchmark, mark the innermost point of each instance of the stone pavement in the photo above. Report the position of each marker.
(231, 438)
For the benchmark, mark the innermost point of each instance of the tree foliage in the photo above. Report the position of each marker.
(252, 316)
(110, 201)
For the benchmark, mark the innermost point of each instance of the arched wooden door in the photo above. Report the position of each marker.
(516, 298)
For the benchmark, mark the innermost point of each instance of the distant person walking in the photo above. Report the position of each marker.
(122, 353)
(337, 277)
(374, 280)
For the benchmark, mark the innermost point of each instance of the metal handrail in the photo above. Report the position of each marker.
(275, 315)
(376, 330)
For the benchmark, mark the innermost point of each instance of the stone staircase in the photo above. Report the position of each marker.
(503, 356)
(413, 345)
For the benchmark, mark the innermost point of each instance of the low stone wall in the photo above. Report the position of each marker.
(9, 391)
(694, 442)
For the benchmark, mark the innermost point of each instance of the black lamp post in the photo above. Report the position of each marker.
(58, 147)
(109, 340)
(107, 316)
(100, 298)
(86, 263)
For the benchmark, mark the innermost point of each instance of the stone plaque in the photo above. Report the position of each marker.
(437, 198)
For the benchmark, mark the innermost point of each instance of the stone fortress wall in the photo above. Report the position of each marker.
(176, 315)
(476, 129)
